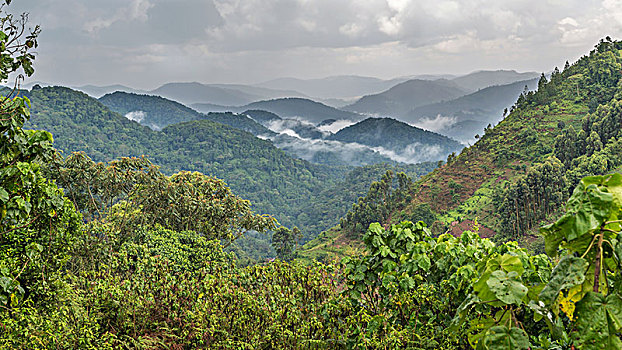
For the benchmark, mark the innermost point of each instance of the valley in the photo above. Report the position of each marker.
(310, 175)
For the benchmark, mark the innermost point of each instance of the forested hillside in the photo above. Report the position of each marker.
(300, 108)
(407, 141)
(274, 182)
(153, 111)
(240, 121)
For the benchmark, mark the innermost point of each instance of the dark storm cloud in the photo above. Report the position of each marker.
(146, 42)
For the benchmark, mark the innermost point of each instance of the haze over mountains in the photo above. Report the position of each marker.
(455, 106)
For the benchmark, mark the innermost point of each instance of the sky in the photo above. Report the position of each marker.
(145, 43)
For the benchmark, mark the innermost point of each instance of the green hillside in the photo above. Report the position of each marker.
(153, 111)
(409, 141)
(482, 79)
(239, 121)
(521, 171)
(300, 108)
(256, 170)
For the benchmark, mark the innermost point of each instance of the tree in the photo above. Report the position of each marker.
(285, 242)
(131, 193)
(37, 223)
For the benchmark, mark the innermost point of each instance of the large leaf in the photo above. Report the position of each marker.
(504, 338)
(614, 186)
(507, 262)
(569, 272)
(586, 210)
(599, 321)
(506, 287)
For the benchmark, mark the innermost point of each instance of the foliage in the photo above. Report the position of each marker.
(37, 224)
(285, 242)
(580, 302)
(295, 192)
(240, 121)
(131, 193)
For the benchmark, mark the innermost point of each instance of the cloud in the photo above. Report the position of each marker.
(413, 153)
(136, 10)
(136, 116)
(437, 123)
(336, 126)
(144, 43)
(348, 152)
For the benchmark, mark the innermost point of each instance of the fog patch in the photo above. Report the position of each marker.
(437, 123)
(413, 153)
(355, 153)
(294, 127)
(137, 116)
(337, 125)
(307, 149)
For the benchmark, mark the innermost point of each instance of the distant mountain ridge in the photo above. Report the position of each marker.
(345, 86)
(483, 79)
(464, 117)
(406, 96)
(305, 109)
(194, 92)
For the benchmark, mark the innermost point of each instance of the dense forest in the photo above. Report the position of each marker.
(125, 254)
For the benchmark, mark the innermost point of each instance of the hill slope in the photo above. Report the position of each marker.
(389, 135)
(240, 121)
(98, 91)
(189, 93)
(467, 115)
(406, 96)
(274, 182)
(153, 111)
(483, 79)
(311, 111)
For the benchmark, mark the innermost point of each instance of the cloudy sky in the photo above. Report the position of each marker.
(144, 43)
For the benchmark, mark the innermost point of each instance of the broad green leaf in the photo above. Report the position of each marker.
(614, 186)
(569, 272)
(511, 263)
(483, 291)
(4, 195)
(424, 263)
(463, 309)
(506, 287)
(586, 210)
(599, 321)
(504, 338)
(375, 228)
